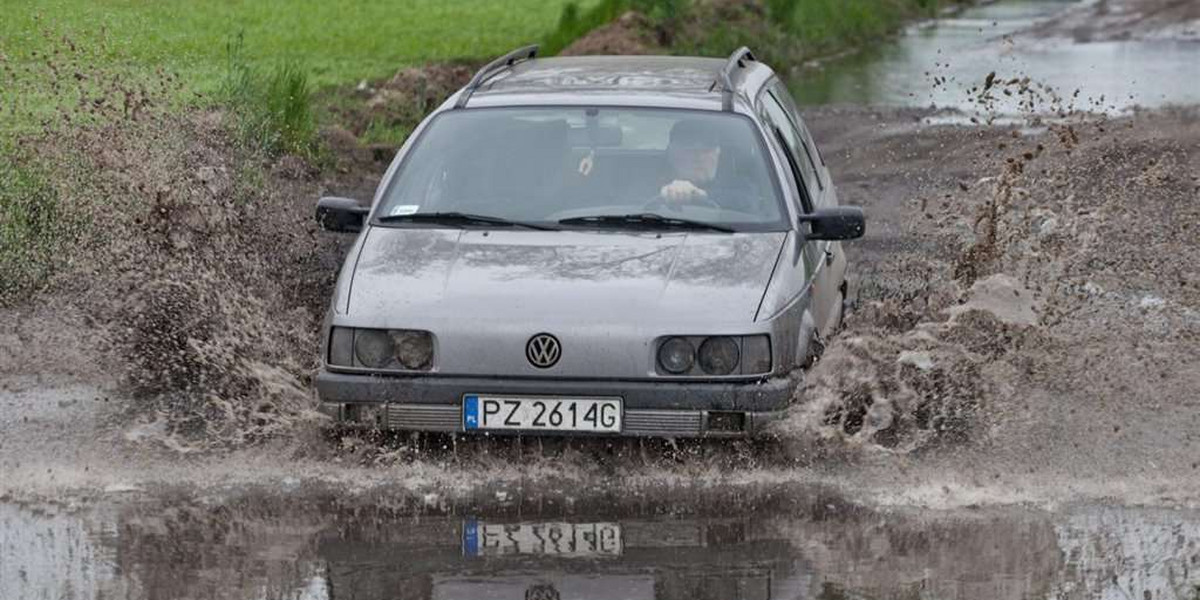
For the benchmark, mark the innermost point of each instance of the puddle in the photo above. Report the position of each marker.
(965, 48)
(273, 547)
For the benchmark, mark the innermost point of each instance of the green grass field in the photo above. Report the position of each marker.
(335, 41)
(834, 24)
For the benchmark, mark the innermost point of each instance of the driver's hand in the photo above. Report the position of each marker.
(682, 190)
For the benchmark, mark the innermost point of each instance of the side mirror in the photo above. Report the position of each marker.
(341, 214)
(835, 223)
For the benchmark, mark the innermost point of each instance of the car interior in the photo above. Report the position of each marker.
(545, 169)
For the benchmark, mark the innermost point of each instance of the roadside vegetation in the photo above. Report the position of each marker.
(789, 29)
(831, 25)
(785, 33)
(576, 21)
(265, 59)
(272, 107)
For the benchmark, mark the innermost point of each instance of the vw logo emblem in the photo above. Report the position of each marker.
(543, 350)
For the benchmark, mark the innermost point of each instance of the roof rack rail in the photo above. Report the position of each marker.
(736, 61)
(508, 60)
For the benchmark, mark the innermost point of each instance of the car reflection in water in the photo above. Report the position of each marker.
(502, 560)
(269, 547)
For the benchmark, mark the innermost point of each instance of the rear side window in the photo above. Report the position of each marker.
(811, 153)
(775, 114)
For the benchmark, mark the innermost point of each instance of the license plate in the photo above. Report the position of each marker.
(551, 538)
(541, 413)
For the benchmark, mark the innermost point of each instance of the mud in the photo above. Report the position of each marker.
(193, 311)
(1120, 20)
(631, 33)
(393, 105)
(1022, 354)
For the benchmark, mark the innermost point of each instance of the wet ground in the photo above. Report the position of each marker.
(1058, 364)
(815, 545)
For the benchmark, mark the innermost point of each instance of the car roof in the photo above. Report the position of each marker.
(661, 81)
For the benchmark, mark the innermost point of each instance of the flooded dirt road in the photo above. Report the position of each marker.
(813, 545)
(1118, 55)
(1011, 412)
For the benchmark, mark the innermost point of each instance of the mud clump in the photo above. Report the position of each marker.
(381, 113)
(214, 357)
(916, 388)
(632, 33)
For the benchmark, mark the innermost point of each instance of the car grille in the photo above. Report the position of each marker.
(424, 417)
(430, 417)
(662, 422)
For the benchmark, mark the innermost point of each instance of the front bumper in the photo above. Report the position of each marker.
(651, 408)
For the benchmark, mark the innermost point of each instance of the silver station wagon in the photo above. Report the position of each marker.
(638, 246)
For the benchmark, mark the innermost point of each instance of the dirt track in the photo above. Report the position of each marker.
(1026, 331)
(1110, 20)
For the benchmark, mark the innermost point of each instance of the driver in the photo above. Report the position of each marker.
(693, 153)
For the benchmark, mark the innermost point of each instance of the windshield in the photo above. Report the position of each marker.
(547, 165)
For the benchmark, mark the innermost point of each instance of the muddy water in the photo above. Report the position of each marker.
(935, 63)
(271, 547)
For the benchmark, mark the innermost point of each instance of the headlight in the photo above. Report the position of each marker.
(676, 355)
(719, 355)
(414, 349)
(386, 349)
(373, 347)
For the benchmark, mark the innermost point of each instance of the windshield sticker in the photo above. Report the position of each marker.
(585, 165)
(403, 209)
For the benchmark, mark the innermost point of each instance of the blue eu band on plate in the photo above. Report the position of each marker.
(548, 538)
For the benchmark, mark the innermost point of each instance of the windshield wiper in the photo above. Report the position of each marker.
(645, 220)
(460, 219)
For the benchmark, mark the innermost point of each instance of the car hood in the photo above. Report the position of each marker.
(424, 278)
